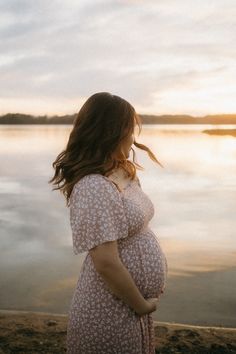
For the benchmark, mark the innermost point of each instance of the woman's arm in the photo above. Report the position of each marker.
(109, 265)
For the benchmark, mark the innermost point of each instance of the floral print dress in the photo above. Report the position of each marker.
(98, 321)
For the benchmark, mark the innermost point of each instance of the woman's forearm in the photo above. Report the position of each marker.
(121, 283)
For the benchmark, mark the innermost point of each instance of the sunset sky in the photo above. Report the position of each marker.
(163, 56)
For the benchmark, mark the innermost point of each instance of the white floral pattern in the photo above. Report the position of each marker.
(99, 322)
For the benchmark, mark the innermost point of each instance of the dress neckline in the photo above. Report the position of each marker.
(123, 189)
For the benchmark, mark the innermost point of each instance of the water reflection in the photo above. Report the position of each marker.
(195, 203)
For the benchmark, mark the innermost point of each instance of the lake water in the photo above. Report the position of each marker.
(195, 207)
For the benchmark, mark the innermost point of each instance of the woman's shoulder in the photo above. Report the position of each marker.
(95, 188)
(94, 182)
(94, 178)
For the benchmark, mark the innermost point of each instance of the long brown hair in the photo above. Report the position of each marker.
(100, 127)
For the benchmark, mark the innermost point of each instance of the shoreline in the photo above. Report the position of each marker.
(22, 312)
(43, 332)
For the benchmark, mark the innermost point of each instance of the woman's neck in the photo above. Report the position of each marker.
(119, 176)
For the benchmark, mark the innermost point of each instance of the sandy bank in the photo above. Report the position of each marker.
(34, 332)
(220, 132)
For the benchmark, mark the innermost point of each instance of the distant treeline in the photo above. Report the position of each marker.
(18, 118)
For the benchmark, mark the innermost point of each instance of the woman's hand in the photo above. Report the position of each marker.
(150, 306)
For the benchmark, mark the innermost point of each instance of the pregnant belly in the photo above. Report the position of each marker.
(146, 262)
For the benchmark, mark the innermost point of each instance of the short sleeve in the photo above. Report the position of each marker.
(97, 213)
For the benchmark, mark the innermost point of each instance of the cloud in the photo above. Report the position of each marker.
(67, 50)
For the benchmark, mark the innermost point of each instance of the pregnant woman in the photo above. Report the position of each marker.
(124, 271)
